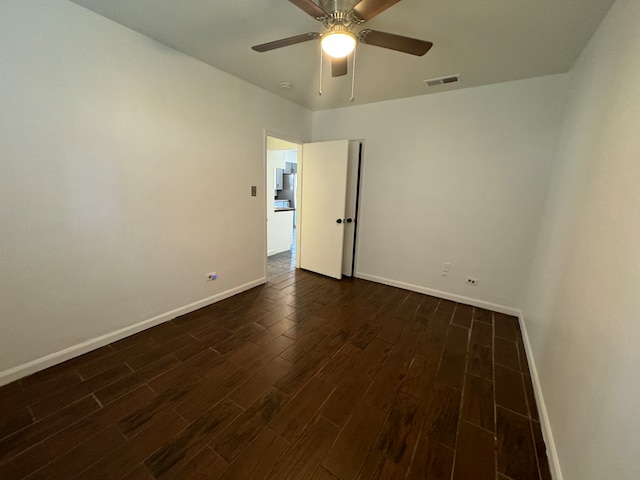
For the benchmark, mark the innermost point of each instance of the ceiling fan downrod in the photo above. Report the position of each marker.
(340, 12)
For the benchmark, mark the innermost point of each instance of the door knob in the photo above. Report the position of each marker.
(339, 220)
(349, 220)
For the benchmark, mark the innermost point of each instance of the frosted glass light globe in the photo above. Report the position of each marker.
(338, 44)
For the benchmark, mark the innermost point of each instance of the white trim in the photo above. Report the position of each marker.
(440, 294)
(552, 453)
(15, 373)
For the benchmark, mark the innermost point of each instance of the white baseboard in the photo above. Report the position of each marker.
(15, 373)
(552, 453)
(440, 294)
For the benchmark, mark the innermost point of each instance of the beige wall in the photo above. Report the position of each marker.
(583, 307)
(125, 171)
(455, 177)
(125, 177)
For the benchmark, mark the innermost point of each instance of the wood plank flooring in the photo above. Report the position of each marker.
(302, 378)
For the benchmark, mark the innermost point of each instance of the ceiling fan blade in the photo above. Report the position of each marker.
(285, 42)
(338, 67)
(313, 9)
(367, 9)
(395, 42)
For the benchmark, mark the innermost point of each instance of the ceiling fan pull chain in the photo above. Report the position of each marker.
(320, 88)
(353, 76)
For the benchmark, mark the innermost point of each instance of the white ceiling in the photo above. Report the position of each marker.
(487, 41)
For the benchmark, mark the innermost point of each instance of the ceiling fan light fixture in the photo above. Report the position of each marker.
(338, 44)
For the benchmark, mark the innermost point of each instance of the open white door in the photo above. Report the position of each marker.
(323, 191)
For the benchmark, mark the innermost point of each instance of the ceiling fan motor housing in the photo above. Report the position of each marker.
(340, 14)
(338, 5)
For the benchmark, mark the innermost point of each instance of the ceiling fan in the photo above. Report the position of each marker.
(340, 18)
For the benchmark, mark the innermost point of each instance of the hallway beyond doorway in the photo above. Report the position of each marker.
(284, 262)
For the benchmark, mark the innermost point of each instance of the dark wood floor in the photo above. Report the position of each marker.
(302, 378)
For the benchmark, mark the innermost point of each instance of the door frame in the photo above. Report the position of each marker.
(299, 143)
(358, 205)
(361, 205)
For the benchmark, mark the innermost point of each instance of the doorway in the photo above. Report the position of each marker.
(282, 159)
(283, 193)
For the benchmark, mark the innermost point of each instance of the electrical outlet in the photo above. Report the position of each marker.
(446, 266)
(472, 281)
(211, 276)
